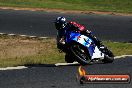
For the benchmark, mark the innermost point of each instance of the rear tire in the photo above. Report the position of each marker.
(109, 56)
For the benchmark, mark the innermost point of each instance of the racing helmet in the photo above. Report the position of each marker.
(60, 22)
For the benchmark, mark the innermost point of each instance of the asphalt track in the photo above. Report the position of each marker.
(43, 76)
(38, 23)
(106, 27)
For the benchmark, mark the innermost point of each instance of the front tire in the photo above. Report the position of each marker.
(81, 53)
(69, 58)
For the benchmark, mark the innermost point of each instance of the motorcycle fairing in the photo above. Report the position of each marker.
(97, 53)
(87, 42)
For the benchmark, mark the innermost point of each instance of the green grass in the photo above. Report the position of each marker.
(22, 50)
(122, 6)
(15, 50)
(119, 48)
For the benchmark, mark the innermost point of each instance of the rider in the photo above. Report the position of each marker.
(61, 24)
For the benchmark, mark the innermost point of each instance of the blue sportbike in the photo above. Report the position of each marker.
(82, 49)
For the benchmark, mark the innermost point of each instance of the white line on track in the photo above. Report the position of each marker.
(122, 56)
(24, 36)
(13, 68)
(65, 64)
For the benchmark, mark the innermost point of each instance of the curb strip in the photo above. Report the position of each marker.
(24, 36)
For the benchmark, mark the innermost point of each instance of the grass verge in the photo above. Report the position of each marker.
(15, 50)
(84, 5)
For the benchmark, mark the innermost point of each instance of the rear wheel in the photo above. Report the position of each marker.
(109, 56)
(81, 53)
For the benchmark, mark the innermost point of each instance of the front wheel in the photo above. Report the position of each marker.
(81, 53)
(69, 58)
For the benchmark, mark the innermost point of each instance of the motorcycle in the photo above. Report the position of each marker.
(82, 49)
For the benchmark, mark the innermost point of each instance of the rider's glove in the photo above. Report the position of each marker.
(62, 41)
(88, 32)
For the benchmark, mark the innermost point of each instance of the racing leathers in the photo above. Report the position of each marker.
(75, 27)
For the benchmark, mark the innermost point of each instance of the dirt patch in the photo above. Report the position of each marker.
(66, 11)
(12, 47)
